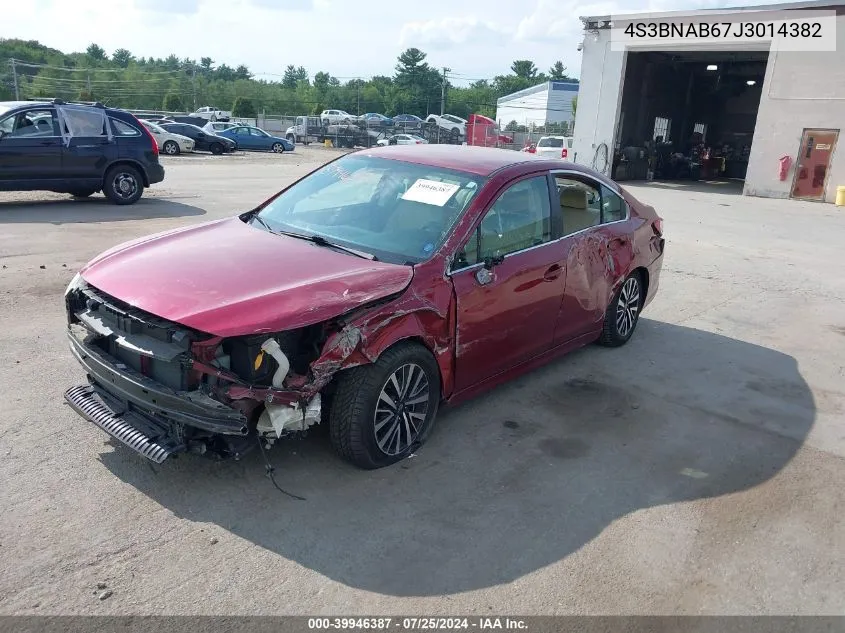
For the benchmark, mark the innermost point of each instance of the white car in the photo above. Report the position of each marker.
(168, 142)
(402, 139)
(455, 125)
(215, 127)
(333, 117)
(554, 146)
(212, 114)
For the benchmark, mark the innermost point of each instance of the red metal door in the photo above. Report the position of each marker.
(506, 314)
(811, 169)
(510, 318)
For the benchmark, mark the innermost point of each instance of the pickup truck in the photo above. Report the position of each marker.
(210, 113)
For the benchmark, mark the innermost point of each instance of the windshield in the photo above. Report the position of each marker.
(4, 110)
(453, 119)
(400, 212)
(550, 142)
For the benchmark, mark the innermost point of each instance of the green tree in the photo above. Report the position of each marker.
(242, 72)
(289, 78)
(206, 64)
(524, 69)
(122, 57)
(173, 103)
(95, 52)
(558, 72)
(244, 108)
(574, 105)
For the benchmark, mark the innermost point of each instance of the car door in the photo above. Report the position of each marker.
(508, 282)
(30, 146)
(259, 139)
(598, 250)
(88, 149)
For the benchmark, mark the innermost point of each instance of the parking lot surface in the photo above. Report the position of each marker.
(698, 469)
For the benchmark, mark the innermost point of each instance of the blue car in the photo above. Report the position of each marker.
(252, 138)
(374, 119)
(408, 122)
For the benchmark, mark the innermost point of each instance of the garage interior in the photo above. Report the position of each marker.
(688, 116)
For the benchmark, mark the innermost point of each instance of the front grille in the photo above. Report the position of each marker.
(139, 434)
(122, 331)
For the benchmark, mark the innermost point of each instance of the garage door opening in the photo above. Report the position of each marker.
(687, 118)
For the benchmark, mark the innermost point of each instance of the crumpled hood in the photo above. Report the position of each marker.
(227, 278)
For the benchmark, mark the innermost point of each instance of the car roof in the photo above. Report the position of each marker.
(481, 161)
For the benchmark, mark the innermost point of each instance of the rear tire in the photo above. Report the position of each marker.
(623, 313)
(171, 148)
(383, 412)
(216, 148)
(123, 185)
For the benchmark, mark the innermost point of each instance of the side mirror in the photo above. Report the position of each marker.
(493, 260)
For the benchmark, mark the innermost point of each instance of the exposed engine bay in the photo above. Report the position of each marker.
(188, 391)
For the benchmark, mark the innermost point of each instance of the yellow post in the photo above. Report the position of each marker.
(840, 196)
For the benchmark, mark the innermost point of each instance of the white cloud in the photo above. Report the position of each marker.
(450, 32)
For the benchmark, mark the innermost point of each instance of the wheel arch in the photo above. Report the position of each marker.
(363, 343)
(131, 163)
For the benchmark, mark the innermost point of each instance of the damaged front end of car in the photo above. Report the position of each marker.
(162, 388)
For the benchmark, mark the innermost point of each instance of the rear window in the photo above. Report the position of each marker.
(124, 129)
(550, 142)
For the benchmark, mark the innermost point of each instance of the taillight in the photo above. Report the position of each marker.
(564, 153)
(149, 136)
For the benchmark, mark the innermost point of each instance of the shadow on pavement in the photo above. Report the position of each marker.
(518, 479)
(94, 209)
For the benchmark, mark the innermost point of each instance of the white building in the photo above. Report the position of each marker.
(762, 101)
(549, 102)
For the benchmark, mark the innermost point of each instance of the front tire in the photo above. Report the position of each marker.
(171, 148)
(623, 313)
(383, 412)
(123, 185)
(278, 148)
(216, 149)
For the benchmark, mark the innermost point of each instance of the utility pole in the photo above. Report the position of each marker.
(15, 79)
(358, 87)
(194, 84)
(443, 91)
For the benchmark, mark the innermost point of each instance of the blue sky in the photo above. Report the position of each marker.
(348, 38)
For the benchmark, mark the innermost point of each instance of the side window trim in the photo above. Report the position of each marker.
(476, 232)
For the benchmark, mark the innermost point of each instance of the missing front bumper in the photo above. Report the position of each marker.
(141, 434)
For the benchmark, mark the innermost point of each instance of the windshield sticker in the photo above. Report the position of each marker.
(428, 248)
(430, 192)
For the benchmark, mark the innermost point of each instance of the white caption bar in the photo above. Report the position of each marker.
(769, 30)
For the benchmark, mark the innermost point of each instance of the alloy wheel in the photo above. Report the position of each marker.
(627, 307)
(125, 185)
(401, 409)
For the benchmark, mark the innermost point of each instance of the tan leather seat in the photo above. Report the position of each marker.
(576, 214)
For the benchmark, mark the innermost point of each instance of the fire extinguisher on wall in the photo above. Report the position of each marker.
(785, 164)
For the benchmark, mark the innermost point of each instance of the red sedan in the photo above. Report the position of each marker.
(363, 296)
